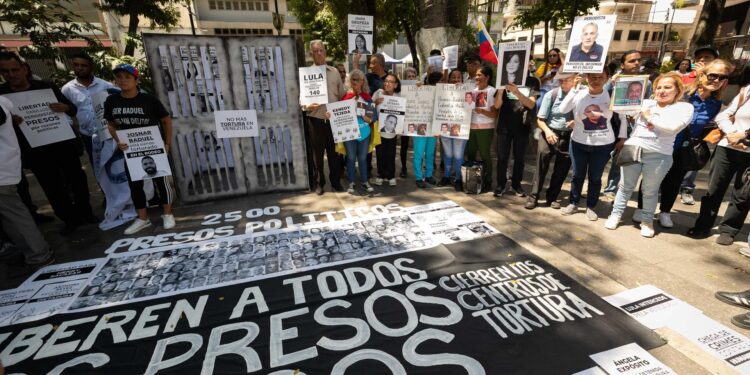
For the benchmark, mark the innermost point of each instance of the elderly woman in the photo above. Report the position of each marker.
(659, 121)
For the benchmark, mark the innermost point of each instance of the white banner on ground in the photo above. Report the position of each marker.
(344, 123)
(716, 339)
(41, 126)
(651, 306)
(420, 101)
(451, 118)
(145, 155)
(360, 34)
(630, 359)
(63, 272)
(49, 300)
(313, 88)
(13, 299)
(236, 124)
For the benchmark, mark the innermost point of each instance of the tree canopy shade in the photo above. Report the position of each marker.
(46, 23)
(327, 20)
(161, 13)
(553, 13)
(708, 23)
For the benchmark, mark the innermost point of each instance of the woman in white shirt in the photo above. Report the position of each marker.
(728, 162)
(591, 141)
(386, 150)
(656, 126)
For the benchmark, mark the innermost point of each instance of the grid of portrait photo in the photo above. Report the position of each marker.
(149, 274)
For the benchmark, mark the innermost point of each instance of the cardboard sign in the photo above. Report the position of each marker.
(41, 126)
(360, 34)
(451, 118)
(313, 86)
(420, 101)
(589, 42)
(344, 123)
(236, 124)
(513, 64)
(146, 156)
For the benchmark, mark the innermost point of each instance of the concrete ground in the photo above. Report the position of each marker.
(604, 261)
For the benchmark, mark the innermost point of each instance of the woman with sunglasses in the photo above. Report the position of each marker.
(704, 94)
(547, 71)
(729, 161)
(656, 125)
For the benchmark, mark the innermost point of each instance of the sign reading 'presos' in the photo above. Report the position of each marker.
(480, 307)
(41, 126)
(145, 156)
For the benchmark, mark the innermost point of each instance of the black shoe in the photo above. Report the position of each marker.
(742, 320)
(499, 192)
(725, 239)
(430, 180)
(530, 204)
(69, 229)
(319, 190)
(445, 181)
(403, 172)
(519, 191)
(337, 187)
(40, 219)
(421, 184)
(698, 233)
(741, 299)
(459, 185)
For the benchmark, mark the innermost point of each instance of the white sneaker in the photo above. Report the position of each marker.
(687, 198)
(569, 209)
(612, 222)
(368, 188)
(665, 220)
(137, 225)
(168, 221)
(637, 215)
(392, 182)
(647, 230)
(378, 181)
(591, 215)
(350, 190)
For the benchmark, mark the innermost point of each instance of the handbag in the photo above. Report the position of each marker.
(714, 136)
(629, 155)
(693, 154)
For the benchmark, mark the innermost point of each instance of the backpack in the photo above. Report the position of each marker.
(473, 175)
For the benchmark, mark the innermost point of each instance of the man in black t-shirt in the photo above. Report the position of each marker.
(57, 166)
(513, 132)
(133, 109)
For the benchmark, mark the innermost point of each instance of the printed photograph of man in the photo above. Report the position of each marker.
(422, 129)
(411, 129)
(588, 49)
(149, 166)
(635, 92)
(444, 129)
(595, 119)
(455, 130)
(389, 124)
(469, 100)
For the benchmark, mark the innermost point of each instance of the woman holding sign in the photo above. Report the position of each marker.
(483, 120)
(386, 150)
(453, 148)
(656, 126)
(357, 149)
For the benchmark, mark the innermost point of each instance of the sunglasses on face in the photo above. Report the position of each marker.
(716, 77)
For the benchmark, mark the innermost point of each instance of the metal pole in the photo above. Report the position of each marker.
(190, 14)
(663, 37)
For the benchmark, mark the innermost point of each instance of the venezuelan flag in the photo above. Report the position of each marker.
(486, 45)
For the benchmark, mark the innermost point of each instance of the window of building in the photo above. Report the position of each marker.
(211, 4)
(618, 35)
(537, 38)
(243, 5)
(634, 35)
(220, 5)
(523, 38)
(296, 32)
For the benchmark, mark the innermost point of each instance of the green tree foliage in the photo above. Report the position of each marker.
(553, 13)
(46, 23)
(161, 13)
(327, 20)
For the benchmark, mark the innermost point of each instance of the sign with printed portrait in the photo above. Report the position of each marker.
(628, 93)
(360, 34)
(513, 64)
(589, 42)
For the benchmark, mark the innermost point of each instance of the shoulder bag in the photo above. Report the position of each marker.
(629, 155)
(693, 153)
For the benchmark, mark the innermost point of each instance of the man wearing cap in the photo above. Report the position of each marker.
(587, 50)
(131, 109)
(556, 127)
(702, 56)
(56, 165)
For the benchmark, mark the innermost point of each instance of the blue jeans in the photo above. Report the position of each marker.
(688, 182)
(453, 155)
(356, 151)
(424, 149)
(588, 160)
(613, 178)
(653, 166)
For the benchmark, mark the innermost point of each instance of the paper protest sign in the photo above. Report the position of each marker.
(312, 85)
(360, 34)
(41, 126)
(451, 118)
(236, 124)
(344, 123)
(589, 41)
(145, 156)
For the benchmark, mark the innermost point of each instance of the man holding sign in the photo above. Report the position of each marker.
(131, 109)
(48, 143)
(320, 127)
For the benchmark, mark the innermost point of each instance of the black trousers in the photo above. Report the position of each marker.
(58, 175)
(162, 187)
(322, 143)
(23, 192)
(544, 155)
(404, 150)
(726, 164)
(514, 138)
(386, 158)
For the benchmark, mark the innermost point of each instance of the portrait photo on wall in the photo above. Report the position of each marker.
(628, 92)
(513, 66)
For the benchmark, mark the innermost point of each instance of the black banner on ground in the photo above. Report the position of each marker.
(486, 306)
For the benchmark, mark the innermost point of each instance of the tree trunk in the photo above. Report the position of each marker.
(442, 25)
(708, 23)
(546, 38)
(488, 22)
(132, 31)
(412, 41)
